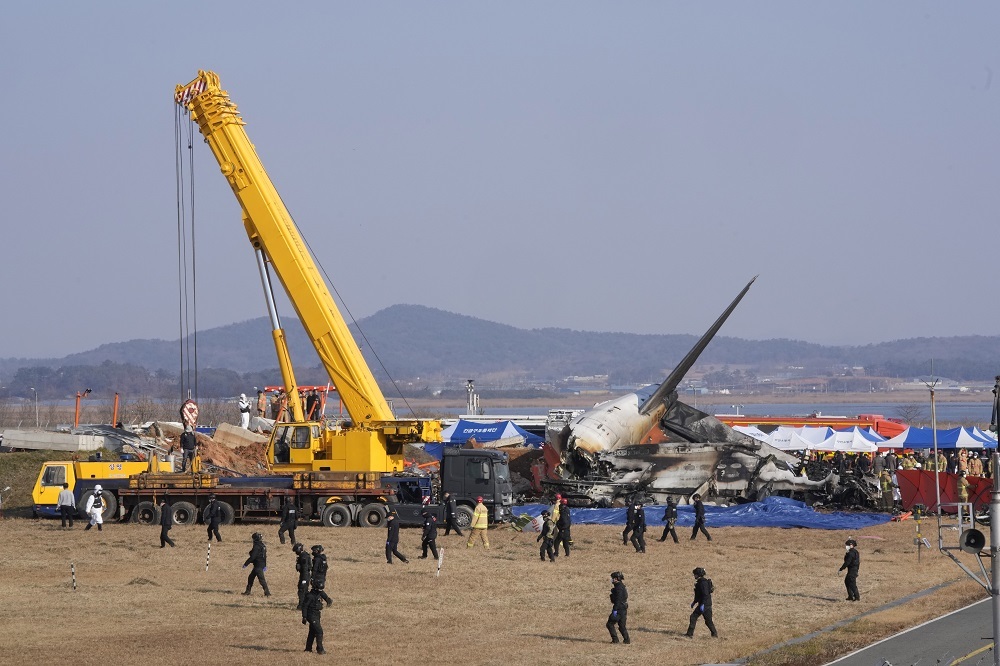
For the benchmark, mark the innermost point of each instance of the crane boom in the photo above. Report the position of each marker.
(374, 440)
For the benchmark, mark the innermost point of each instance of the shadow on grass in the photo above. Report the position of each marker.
(661, 632)
(803, 596)
(261, 648)
(570, 639)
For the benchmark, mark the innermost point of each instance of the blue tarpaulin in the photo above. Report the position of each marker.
(772, 512)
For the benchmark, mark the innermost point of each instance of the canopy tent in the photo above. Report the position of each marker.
(753, 431)
(953, 438)
(790, 439)
(852, 440)
(463, 431)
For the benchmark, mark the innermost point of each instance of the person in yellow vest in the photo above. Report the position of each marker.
(885, 483)
(975, 466)
(963, 460)
(480, 521)
(942, 462)
(963, 487)
(908, 462)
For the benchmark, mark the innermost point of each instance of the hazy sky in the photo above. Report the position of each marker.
(598, 166)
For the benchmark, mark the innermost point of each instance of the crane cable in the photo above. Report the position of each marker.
(186, 267)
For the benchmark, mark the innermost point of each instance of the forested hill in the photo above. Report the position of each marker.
(416, 341)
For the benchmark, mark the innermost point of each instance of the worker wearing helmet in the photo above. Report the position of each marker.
(303, 565)
(702, 604)
(619, 608)
(95, 508)
(258, 558)
(852, 562)
(480, 521)
(563, 524)
(546, 536)
(319, 569)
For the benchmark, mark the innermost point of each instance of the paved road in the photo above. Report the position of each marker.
(962, 637)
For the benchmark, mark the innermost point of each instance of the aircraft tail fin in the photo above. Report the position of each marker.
(669, 385)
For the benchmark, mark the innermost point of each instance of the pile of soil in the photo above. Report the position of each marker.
(248, 460)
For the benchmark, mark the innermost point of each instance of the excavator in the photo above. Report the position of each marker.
(373, 439)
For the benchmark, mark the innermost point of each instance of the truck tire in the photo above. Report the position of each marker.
(463, 516)
(372, 515)
(226, 513)
(336, 515)
(185, 513)
(110, 504)
(146, 513)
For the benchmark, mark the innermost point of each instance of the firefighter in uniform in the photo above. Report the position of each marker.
(564, 523)
(545, 536)
(480, 522)
(619, 608)
(258, 558)
(312, 609)
(303, 565)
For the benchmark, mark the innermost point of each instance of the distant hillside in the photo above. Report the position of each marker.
(415, 341)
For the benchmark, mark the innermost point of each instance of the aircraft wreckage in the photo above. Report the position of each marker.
(650, 443)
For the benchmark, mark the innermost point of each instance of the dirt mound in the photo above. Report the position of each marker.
(250, 460)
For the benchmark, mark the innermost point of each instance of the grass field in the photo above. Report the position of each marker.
(503, 606)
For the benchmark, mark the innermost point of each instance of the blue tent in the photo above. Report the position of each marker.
(487, 431)
(923, 438)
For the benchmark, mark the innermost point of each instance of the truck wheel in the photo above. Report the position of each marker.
(226, 513)
(336, 515)
(146, 513)
(463, 516)
(372, 515)
(185, 513)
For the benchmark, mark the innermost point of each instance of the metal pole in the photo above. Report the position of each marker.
(995, 553)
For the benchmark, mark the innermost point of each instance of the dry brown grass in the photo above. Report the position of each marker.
(135, 601)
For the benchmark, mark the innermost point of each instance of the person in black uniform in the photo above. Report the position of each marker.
(619, 608)
(430, 534)
(545, 536)
(564, 524)
(166, 521)
(639, 529)
(289, 520)
(392, 538)
(312, 609)
(258, 558)
(312, 406)
(699, 518)
(449, 515)
(211, 517)
(702, 603)
(669, 519)
(318, 575)
(189, 445)
(629, 522)
(852, 562)
(303, 565)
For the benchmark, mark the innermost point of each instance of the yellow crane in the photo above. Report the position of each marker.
(373, 441)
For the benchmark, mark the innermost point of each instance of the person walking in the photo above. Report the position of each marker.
(303, 565)
(318, 574)
(702, 604)
(258, 558)
(629, 522)
(189, 446)
(429, 537)
(289, 520)
(619, 608)
(212, 516)
(852, 562)
(312, 610)
(392, 538)
(480, 522)
(450, 510)
(639, 529)
(564, 524)
(95, 509)
(545, 536)
(699, 519)
(244, 406)
(166, 522)
(67, 505)
(670, 520)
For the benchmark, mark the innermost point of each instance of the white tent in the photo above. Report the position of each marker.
(853, 440)
(753, 431)
(789, 439)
